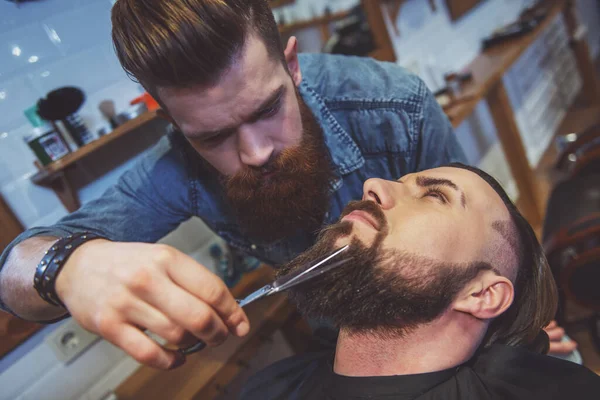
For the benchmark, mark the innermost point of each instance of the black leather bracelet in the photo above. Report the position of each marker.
(53, 261)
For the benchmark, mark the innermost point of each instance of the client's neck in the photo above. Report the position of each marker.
(445, 343)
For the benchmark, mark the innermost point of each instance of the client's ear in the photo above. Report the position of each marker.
(486, 296)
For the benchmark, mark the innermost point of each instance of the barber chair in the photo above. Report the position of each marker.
(571, 233)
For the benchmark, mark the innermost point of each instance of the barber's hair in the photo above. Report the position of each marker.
(180, 43)
(535, 301)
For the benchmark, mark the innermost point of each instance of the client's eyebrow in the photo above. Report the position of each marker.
(424, 181)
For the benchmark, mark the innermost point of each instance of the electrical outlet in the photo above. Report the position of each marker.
(70, 340)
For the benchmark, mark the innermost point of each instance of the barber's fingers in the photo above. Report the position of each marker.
(138, 345)
(146, 317)
(189, 312)
(562, 348)
(210, 289)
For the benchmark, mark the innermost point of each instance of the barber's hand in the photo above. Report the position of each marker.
(557, 346)
(117, 289)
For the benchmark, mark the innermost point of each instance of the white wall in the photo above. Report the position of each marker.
(69, 40)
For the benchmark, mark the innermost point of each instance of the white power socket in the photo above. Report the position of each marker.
(70, 340)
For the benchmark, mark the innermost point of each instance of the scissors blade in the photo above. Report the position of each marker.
(259, 294)
(289, 280)
(313, 273)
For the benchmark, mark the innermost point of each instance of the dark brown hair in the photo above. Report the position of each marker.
(535, 301)
(179, 43)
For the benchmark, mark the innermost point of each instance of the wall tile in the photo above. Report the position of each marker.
(31, 203)
(89, 70)
(13, 16)
(79, 28)
(16, 95)
(25, 48)
(16, 158)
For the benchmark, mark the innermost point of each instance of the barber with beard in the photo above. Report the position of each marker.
(266, 147)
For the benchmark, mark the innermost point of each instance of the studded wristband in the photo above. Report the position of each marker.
(53, 261)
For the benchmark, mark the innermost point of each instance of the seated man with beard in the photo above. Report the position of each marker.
(445, 298)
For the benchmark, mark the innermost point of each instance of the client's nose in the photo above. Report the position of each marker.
(376, 190)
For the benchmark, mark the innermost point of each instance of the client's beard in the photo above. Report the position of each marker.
(379, 290)
(295, 198)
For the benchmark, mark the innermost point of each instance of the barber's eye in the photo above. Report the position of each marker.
(437, 194)
(213, 141)
(271, 111)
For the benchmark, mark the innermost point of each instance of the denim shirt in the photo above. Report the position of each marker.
(378, 121)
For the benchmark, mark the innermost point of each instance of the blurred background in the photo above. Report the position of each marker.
(517, 78)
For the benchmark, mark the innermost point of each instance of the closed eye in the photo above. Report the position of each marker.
(270, 111)
(436, 194)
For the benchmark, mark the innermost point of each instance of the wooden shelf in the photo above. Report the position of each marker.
(488, 70)
(52, 171)
(280, 3)
(490, 66)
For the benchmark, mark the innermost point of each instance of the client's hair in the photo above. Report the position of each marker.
(535, 301)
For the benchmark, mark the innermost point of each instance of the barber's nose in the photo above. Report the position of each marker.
(255, 147)
(377, 190)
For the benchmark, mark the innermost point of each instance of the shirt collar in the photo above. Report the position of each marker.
(345, 154)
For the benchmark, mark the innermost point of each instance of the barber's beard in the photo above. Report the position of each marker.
(294, 198)
(379, 291)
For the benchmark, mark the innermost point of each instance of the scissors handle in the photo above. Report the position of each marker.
(193, 349)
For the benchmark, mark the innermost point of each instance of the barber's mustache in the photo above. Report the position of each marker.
(370, 207)
(286, 164)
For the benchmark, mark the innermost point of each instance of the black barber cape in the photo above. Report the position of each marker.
(500, 372)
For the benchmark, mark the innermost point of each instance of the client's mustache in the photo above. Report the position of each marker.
(369, 207)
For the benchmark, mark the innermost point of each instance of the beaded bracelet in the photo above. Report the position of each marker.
(53, 261)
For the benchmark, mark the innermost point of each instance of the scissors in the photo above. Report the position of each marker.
(284, 283)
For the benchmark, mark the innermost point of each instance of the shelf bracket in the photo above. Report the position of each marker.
(61, 185)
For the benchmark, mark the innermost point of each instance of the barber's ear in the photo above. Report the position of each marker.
(485, 297)
(291, 58)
